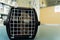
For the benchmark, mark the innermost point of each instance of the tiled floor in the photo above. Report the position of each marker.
(45, 32)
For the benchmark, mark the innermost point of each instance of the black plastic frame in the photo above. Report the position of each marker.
(8, 29)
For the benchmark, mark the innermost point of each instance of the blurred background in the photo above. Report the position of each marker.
(50, 19)
(5, 8)
(47, 15)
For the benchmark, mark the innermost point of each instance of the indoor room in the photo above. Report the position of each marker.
(42, 15)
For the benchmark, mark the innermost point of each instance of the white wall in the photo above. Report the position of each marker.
(35, 4)
(24, 3)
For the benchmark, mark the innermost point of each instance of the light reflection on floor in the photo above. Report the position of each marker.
(44, 33)
(3, 34)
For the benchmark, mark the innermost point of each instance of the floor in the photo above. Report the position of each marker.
(45, 32)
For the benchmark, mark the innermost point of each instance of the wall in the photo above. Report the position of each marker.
(49, 16)
(44, 3)
(24, 3)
